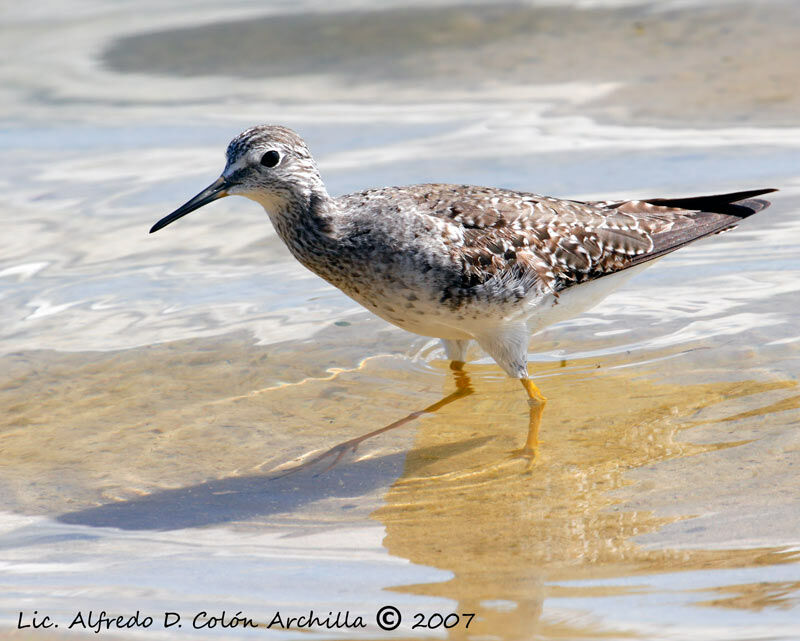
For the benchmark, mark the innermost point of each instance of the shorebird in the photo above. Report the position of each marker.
(458, 262)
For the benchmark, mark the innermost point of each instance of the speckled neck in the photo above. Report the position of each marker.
(307, 221)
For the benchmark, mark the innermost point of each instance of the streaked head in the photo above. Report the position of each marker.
(269, 164)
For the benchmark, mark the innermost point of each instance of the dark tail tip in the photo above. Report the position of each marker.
(740, 203)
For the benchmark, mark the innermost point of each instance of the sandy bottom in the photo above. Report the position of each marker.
(637, 477)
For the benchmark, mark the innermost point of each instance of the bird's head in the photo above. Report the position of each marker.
(269, 164)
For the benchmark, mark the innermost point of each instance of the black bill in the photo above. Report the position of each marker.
(216, 190)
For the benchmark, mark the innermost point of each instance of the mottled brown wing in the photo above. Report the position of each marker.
(564, 242)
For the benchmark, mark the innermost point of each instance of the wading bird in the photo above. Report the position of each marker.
(459, 262)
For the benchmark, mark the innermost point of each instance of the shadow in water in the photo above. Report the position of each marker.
(245, 497)
(238, 498)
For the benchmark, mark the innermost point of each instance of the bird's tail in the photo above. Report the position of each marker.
(701, 216)
(739, 204)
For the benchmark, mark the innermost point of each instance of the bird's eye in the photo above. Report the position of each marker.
(271, 158)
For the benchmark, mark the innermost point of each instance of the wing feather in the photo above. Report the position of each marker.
(558, 243)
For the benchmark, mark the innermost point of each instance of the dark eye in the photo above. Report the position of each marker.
(270, 159)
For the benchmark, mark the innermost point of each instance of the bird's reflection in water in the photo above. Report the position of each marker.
(510, 537)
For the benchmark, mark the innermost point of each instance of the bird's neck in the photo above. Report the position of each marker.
(306, 221)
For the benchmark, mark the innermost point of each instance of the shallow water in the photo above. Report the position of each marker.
(152, 388)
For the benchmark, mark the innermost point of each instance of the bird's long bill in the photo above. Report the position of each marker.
(216, 190)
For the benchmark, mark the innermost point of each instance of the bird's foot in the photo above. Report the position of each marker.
(338, 452)
(527, 454)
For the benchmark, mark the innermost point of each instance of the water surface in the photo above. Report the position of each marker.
(151, 386)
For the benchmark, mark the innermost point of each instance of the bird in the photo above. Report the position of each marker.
(462, 263)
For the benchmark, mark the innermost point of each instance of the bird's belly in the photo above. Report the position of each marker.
(421, 316)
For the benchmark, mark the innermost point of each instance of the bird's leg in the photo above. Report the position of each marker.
(463, 388)
(508, 346)
(536, 403)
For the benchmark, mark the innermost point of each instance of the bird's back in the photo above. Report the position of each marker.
(485, 235)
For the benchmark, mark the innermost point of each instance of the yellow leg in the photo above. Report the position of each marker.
(536, 402)
(463, 388)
